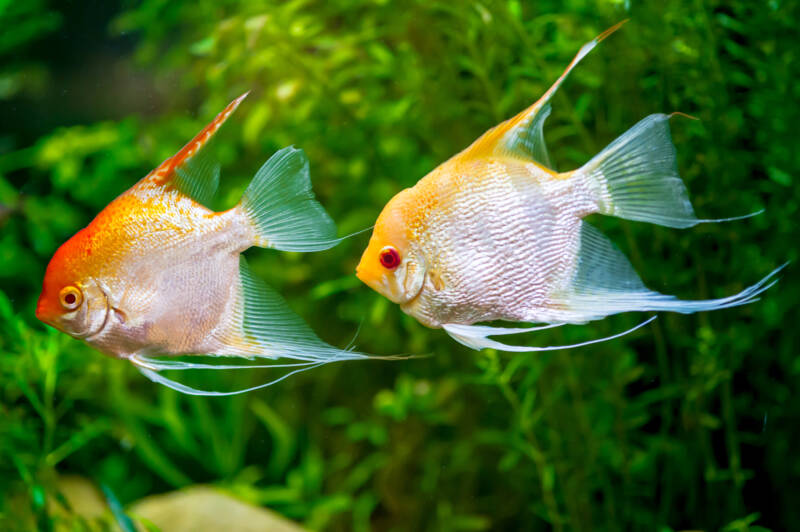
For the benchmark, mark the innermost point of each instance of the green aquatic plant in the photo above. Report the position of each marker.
(689, 423)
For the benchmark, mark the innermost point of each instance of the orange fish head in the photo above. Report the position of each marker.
(72, 300)
(391, 265)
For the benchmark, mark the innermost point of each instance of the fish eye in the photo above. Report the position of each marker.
(70, 297)
(390, 258)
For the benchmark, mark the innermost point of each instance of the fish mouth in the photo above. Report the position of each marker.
(378, 283)
(390, 286)
(40, 313)
(386, 289)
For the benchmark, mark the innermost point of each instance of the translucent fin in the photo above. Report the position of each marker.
(522, 136)
(602, 267)
(192, 171)
(198, 177)
(260, 327)
(282, 207)
(161, 364)
(636, 178)
(605, 283)
(269, 328)
(476, 337)
(526, 141)
(500, 331)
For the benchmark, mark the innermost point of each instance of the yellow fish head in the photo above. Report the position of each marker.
(391, 265)
(72, 300)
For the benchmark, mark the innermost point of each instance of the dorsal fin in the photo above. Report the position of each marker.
(192, 170)
(521, 137)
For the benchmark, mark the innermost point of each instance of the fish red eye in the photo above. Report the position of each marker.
(70, 297)
(390, 258)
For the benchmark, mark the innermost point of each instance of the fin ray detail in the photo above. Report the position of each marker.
(522, 136)
(192, 171)
(605, 283)
(262, 326)
(282, 207)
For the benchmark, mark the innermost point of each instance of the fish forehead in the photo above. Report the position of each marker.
(501, 237)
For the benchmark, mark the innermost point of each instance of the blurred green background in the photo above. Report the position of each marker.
(691, 422)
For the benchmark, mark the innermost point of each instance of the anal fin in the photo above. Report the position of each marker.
(261, 333)
(605, 283)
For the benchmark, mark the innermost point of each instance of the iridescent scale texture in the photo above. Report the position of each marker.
(501, 239)
(171, 268)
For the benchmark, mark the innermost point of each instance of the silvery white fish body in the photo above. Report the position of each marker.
(158, 273)
(495, 233)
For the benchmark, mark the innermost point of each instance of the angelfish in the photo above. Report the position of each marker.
(158, 273)
(495, 233)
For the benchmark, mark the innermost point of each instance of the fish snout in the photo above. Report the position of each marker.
(380, 282)
(45, 312)
(398, 286)
(39, 311)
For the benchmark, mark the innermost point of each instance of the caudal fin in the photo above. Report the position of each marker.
(281, 205)
(636, 177)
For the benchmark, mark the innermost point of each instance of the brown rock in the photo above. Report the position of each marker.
(202, 508)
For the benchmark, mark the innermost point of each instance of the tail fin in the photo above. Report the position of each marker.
(281, 205)
(636, 177)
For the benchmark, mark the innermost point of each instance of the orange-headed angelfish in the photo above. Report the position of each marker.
(495, 233)
(157, 273)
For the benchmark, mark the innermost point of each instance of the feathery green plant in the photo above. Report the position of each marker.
(689, 423)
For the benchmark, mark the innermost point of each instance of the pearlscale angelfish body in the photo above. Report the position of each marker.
(158, 273)
(495, 233)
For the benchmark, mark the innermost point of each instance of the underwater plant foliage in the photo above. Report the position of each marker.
(689, 423)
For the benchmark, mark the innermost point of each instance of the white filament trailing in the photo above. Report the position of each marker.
(177, 386)
(476, 337)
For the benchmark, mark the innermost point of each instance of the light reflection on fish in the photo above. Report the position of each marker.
(158, 273)
(495, 233)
